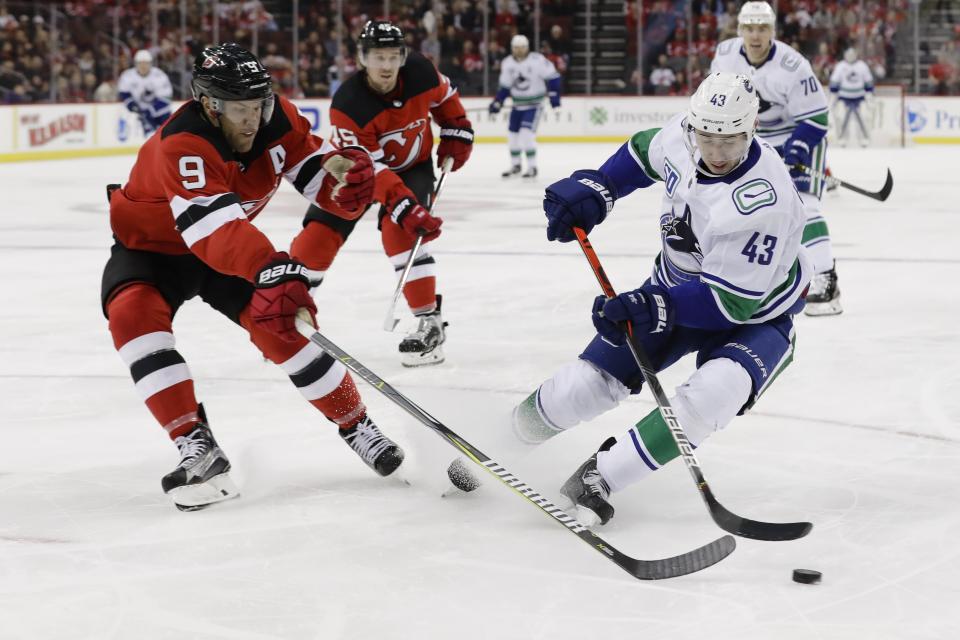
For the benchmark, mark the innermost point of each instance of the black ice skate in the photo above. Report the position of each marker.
(381, 454)
(425, 345)
(511, 172)
(589, 492)
(530, 173)
(201, 478)
(823, 299)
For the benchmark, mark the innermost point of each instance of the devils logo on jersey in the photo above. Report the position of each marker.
(401, 147)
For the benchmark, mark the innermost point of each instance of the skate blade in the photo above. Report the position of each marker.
(412, 359)
(193, 497)
(587, 517)
(816, 309)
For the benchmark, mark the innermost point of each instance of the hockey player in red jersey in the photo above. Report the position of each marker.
(183, 228)
(386, 108)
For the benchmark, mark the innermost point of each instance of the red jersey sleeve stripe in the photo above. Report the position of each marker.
(308, 174)
(201, 216)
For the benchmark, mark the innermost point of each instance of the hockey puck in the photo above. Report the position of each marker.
(806, 576)
(461, 477)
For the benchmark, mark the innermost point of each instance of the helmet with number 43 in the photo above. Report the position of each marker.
(721, 121)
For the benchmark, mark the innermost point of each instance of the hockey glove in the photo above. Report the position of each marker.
(555, 100)
(414, 219)
(281, 290)
(582, 200)
(495, 106)
(349, 181)
(648, 309)
(456, 141)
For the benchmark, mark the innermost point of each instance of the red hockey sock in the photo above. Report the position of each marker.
(141, 326)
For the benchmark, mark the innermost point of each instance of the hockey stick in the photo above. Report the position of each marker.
(881, 195)
(391, 321)
(727, 521)
(689, 562)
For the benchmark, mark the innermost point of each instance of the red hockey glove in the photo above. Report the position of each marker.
(349, 180)
(456, 141)
(414, 219)
(281, 290)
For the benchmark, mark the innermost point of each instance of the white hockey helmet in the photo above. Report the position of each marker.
(724, 112)
(850, 55)
(724, 104)
(519, 40)
(143, 56)
(756, 13)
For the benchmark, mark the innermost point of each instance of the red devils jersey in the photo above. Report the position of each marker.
(188, 192)
(394, 128)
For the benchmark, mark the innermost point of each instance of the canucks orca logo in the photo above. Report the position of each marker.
(522, 83)
(679, 236)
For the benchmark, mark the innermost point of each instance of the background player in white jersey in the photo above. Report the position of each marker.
(728, 280)
(526, 77)
(794, 119)
(145, 90)
(851, 85)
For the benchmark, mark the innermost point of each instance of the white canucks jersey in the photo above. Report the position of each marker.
(789, 90)
(851, 81)
(740, 234)
(527, 79)
(143, 90)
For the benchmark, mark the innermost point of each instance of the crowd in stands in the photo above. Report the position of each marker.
(96, 39)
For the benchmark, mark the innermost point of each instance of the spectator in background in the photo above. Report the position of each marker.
(559, 42)
(430, 48)
(106, 91)
(662, 78)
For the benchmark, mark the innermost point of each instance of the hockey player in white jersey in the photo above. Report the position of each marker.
(526, 78)
(145, 90)
(794, 119)
(729, 278)
(851, 85)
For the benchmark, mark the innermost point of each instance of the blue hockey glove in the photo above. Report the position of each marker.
(795, 152)
(582, 200)
(648, 309)
(555, 100)
(495, 106)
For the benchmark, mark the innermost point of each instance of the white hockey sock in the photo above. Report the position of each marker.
(528, 142)
(516, 148)
(579, 392)
(706, 402)
(816, 234)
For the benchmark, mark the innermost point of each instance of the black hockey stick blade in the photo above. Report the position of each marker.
(680, 565)
(881, 195)
(753, 529)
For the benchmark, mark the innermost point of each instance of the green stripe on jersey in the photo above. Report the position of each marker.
(814, 231)
(640, 148)
(821, 119)
(524, 100)
(742, 309)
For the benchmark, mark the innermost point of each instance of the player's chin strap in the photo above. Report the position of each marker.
(391, 321)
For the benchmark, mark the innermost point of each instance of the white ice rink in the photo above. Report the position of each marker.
(861, 436)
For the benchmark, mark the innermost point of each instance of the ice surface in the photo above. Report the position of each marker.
(860, 436)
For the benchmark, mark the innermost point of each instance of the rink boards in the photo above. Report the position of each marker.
(30, 132)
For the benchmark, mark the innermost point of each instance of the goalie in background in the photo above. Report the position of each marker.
(851, 85)
(145, 90)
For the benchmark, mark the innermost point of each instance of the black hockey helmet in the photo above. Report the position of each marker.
(381, 34)
(230, 72)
